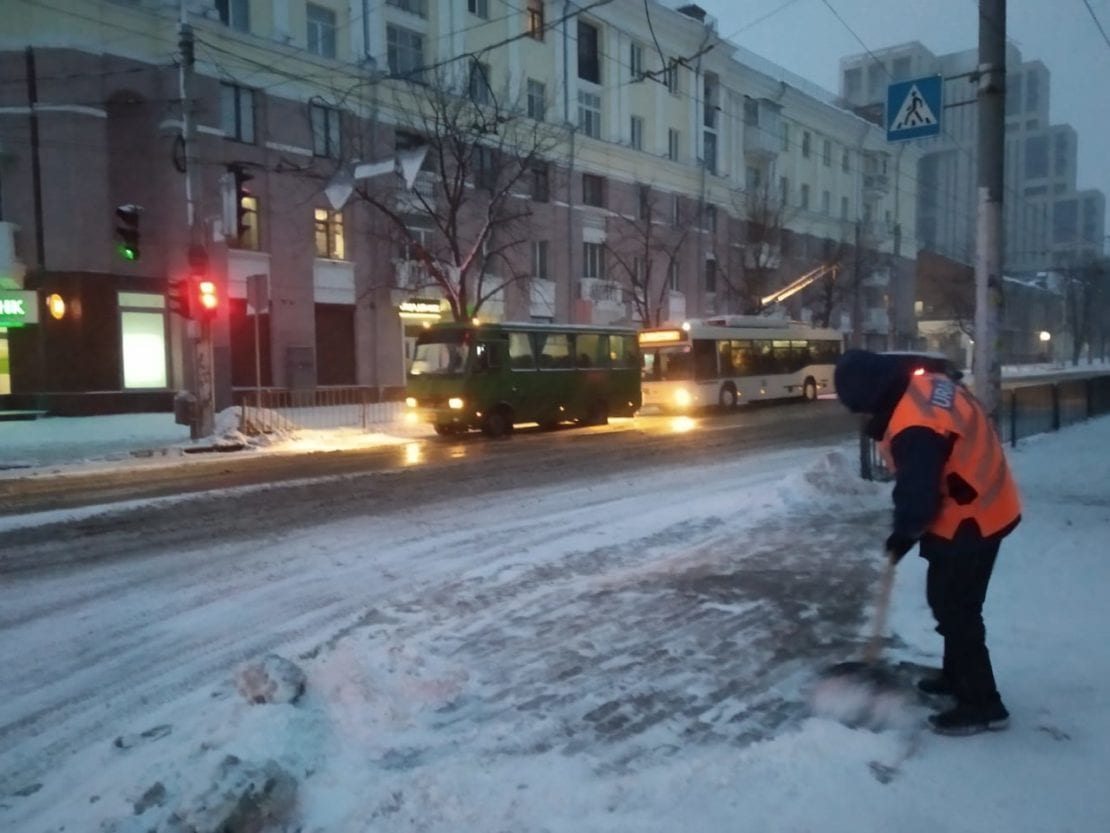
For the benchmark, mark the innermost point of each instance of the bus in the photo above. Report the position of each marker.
(728, 360)
(492, 376)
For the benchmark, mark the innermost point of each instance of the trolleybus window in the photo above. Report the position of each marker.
(589, 351)
(520, 352)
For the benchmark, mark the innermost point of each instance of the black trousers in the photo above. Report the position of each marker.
(955, 587)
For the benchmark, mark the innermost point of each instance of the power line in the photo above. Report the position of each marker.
(1094, 17)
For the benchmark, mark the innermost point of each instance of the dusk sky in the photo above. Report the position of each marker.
(805, 37)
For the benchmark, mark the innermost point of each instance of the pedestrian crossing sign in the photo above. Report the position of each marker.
(913, 108)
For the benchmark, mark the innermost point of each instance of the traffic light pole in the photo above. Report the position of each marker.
(200, 344)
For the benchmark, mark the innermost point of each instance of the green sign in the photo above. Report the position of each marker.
(18, 307)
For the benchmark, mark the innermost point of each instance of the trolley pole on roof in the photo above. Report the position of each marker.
(988, 255)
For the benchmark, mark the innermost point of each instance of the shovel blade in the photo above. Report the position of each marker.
(863, 694)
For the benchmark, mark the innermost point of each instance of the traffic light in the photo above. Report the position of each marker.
(244, 210)
(178, 298)
(207, 298)
(127, 231)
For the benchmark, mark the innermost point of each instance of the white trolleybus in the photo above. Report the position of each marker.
(733, 359)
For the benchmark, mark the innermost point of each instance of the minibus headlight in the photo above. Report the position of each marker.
(410, 402)
(682, 397)
(455, 403)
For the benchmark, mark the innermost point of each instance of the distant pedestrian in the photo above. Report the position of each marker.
(954, 495)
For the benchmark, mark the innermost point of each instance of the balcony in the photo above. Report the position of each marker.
(606, 300)
(875, 185)
(409, 202)
(760, 143)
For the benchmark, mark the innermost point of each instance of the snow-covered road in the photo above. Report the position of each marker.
(616, 614)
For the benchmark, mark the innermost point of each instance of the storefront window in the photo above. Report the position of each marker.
(143, 338)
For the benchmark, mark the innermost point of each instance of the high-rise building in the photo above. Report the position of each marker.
(1049, 223)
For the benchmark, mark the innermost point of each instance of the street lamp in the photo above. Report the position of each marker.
(1046, 335)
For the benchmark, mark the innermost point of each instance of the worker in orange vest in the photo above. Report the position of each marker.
(955, 497)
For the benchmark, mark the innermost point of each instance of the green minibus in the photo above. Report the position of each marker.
(492, 376)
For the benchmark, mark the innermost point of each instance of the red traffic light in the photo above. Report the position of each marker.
(208, 298)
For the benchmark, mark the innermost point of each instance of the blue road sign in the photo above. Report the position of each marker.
(913, 108)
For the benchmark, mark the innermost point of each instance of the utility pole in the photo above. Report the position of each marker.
(200, 333)
(988, 255)
(857, 290)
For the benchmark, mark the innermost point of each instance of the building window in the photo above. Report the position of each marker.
(670, 76)
(902, 68)
(843, 208)
(589, 67)
(753, 179)
(485, 167)
(251, 238)
(826, 202)
(844, 164)
(785, 136)
(784, 191)
(404, 52)
(672, 144)
(1063, 154)
(416, 7)
(237, 112)
(709, 149)
(479, 8)
(805, 197)
(636, 133)
(537, 100)
(853, 83)
(645, 202)
(593, 190)
(710, 276)
(321, 31)
(329, 234)
(636, 60)
(235, 14)
(711, 217)
(1036, 156)
(539, 259)
(478, 83)
(589, 113)
(672, 276)
(535, 19)
(826, 153)
(751, 111)
(593, 261)
(807, 141)
(325, 131)
(541, 184)
(143, 340)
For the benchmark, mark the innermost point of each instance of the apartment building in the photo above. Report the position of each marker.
(676, 179)
(1049, 222)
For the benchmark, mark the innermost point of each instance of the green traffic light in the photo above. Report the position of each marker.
(127, 252)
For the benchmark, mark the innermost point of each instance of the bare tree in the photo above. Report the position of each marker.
(1085, 285)
(646, 249)
(764, 215)
(465, 227)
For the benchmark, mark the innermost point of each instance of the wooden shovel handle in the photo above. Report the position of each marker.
(882, 604)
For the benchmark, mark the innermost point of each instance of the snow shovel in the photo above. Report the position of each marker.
(865, 692)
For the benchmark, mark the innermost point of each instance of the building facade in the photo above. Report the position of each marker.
(676, 181)
(1049, 222)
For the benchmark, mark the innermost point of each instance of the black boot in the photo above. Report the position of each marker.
(966, 719)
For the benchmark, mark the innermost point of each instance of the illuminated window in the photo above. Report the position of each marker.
(143, 339)
(329, 234)
(535, 19)
(250, 238)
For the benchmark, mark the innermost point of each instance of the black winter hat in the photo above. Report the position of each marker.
(868, 382)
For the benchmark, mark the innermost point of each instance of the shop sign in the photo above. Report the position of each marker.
(420, 306)
(18, 307)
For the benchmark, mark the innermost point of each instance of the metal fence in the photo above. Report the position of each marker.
(270, 411)
(1024, 412)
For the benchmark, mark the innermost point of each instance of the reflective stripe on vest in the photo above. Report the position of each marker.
(934, 401)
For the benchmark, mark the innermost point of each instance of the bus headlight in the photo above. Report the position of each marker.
(682, 397)
(455, 403)
(410, 402)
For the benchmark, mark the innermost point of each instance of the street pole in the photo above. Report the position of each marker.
(204, 423)
(857, 290)
(988, 255)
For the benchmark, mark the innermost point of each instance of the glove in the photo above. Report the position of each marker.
(897, 545)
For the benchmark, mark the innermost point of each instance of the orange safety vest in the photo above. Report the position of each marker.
(935, 401)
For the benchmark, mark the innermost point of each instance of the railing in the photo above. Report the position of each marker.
(272, 411)
(1024, 412)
